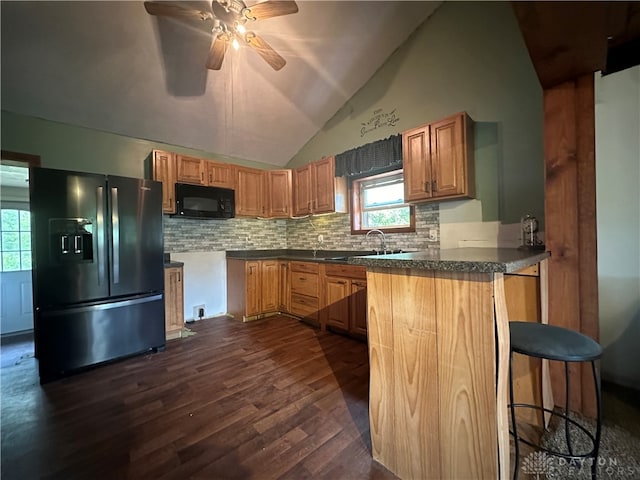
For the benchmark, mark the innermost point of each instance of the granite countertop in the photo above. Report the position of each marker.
(480, 260)
(171, 264)
(321, 256)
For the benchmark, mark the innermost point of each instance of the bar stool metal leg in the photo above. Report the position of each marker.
(513, 418)
(596, 448)
(566, 408)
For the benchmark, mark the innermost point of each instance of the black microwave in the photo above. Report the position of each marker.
(197, 201)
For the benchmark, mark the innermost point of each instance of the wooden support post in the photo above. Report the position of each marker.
(570, 224)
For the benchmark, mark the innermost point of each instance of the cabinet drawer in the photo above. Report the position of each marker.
(305, 284)
(304, 306)
(350, 271)
(308, 267)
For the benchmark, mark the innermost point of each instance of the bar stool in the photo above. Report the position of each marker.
(555, 343)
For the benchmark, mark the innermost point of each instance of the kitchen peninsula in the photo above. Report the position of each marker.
(438, 352)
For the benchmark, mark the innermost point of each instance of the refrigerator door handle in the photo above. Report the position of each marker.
(115, 225)
(100, 256)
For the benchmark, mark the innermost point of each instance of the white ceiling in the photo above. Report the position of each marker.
(113, 67)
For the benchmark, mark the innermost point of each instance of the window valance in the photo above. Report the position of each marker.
(374, 156)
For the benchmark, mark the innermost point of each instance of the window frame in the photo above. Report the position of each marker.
(356, 210)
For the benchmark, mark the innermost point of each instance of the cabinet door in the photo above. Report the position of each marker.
(337, 302)
(415, 161)
(220, 174)
(302, 191)
(190, 170)
(269, 288)
(284, 286)
(250, 192)
(278, 195)
(173, 301)
(358, 307)
(323, 174)
(252, 274)
(164, 170)
(448, 172)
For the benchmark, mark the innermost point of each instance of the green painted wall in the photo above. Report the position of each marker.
(469, 56)
(76, 148)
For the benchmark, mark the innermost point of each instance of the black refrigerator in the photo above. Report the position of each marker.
(98, 278)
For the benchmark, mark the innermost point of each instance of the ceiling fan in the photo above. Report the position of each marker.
(230, 18)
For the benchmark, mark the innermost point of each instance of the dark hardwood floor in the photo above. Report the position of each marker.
(268, 399)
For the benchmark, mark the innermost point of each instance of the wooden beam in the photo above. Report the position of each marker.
(570, 223)
(569, 39)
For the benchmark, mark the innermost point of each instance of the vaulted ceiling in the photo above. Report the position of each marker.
(113, 67)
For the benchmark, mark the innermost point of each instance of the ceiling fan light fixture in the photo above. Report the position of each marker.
(228, 25)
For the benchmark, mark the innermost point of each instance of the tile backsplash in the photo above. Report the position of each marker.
(190, 235)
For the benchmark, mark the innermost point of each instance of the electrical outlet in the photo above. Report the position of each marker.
(199, 312)
(433, 234)
(320, 238)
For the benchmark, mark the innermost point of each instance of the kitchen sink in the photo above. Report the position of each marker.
(336, 259)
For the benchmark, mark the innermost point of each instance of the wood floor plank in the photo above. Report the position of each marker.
(274, 398)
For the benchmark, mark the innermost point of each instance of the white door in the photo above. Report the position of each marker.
(16, 303)
(16, 313)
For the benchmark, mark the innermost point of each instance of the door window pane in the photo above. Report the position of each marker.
(15, 239)
(10, 220)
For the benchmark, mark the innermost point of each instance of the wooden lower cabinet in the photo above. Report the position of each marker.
(252, 288)
(173, 302)
(358, 307)
(284, 286)
(305, 290)
(345, 298)
(334, 295)
(337, 311)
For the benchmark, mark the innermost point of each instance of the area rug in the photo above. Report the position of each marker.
(618, 457)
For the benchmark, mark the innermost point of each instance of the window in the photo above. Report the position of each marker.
(15, 240)
(378, 202)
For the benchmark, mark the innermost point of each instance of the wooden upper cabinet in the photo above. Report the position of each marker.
(220, 174)
(164, 170)
(416, 162)
(322, 176)
(302, 191)
(278, 193)
(190, 170)
(317, 190)
(438, 160)
(250, 192)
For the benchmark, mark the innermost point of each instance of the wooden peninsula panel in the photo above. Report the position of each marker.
(439, 359)
(432, 395)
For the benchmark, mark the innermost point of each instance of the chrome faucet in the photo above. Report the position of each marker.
(383, 239)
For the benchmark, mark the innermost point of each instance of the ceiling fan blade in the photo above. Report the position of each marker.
(272, 57)
(216, 52)
(175, 9)
(270, 8)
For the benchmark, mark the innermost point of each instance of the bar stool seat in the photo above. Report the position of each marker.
(555, 343)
